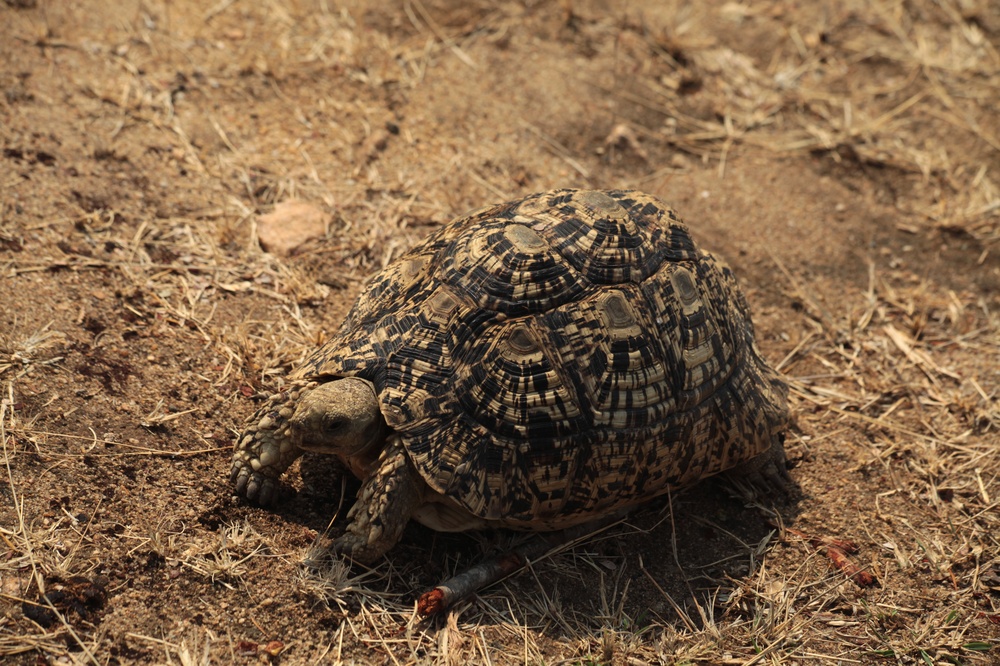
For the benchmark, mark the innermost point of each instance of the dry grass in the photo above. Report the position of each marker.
(141, 317)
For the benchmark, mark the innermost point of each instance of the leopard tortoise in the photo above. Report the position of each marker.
(533, 365)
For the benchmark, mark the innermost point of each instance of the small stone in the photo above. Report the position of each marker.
(289, 225)
(678, 161)
(273, 648)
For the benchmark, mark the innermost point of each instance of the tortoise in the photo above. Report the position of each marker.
(534, 365)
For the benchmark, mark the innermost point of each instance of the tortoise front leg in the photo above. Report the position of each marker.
(266, 448)
(385, 503)
(258, 463)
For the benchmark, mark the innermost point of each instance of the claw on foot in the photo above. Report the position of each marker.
(765, 474)
(260, 489)
(253, 485)
(355, 547)
(348, 546)
(239, 477)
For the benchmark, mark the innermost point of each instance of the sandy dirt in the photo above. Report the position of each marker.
(844, 157)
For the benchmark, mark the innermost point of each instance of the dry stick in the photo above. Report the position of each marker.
(560, 150)
(818, 311)
(916, 356)
(436, 29)
(873, 421)
(497, 568)
(487, 185)
(796, 350)
(139, 450)
(677, 609)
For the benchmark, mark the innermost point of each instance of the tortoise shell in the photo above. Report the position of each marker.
(563, 355)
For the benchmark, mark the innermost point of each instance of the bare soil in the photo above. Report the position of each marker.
(844, 157)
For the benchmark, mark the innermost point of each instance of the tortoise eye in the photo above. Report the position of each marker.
(334, 426)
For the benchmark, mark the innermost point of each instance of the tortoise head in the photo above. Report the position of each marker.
(340, 417)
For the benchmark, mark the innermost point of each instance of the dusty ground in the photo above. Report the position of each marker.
(843, 156)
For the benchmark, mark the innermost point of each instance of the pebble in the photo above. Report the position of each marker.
(289, 225)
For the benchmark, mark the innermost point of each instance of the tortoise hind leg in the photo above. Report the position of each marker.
(767, 471)
(385, 503)
(494, 569)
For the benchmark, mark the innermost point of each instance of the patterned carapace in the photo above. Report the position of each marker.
(560, 357)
